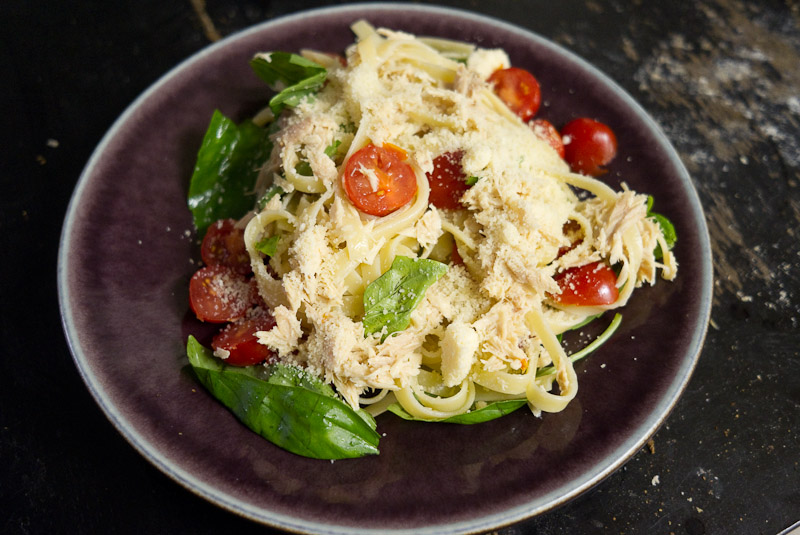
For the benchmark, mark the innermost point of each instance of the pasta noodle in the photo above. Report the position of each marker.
(485, 328)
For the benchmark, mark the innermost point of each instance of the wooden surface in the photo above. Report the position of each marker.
(722, 78)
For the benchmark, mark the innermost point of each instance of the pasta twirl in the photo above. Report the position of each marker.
(483, 329)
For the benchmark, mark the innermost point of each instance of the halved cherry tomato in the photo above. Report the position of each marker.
(519, 89)
(218, 294)
(378, 181)
(447, 181)
(545, 130)
(590, 285)
(589, 145)
(224, 244)
(239, 339)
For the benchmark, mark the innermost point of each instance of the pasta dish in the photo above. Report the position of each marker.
(419, 244)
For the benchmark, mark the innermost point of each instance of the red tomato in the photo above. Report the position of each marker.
(224, 244)
(447, 181)
(590, 285)
(378, 181)
(239, 338)
(218, 294)
(545, 130)
(519, 89)
(588, 145)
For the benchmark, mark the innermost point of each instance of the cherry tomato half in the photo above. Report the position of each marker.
(218, 294)
(590, 285)
(447, 181)
(224, 244)
(519, 89)
(546, 131)
(378, 181)
(588, 145)
(239, 339)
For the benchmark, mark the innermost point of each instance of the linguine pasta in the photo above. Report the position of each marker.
(484, 329)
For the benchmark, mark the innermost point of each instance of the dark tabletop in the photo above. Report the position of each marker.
(721, 77)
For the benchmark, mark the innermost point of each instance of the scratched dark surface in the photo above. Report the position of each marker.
(721, 77)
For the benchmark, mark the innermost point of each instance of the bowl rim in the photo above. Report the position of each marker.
(507, 516)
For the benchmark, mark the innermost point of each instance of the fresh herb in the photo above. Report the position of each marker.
(291, 408)
(294, 76)
(271, 192)
(304, 168)
(667, 228)
(390, 299)
(226, 170)
(491, 411)
(268, 245)
(332, 149)
(472, 180)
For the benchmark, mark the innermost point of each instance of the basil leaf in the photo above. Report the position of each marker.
(667, 228)
(472, 180)
(226, 170)
(390, 299)
(268, 245)
(332, 149)
(290, 411)
(294, 76)
(492, 411)
(294, 376)
(271, 192)
(304, 168)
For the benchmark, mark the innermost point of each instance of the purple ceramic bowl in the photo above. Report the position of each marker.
(126, 258)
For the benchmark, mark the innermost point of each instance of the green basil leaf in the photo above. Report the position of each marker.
(294, 76)
(268, 245)
(390, 299)
(304, 168)
(668, 230)
(332, 149)
(270, 193)
(492, 411)
(290, 411)
(472, 180)
(294, 376)
(348, 128)
(226, 170)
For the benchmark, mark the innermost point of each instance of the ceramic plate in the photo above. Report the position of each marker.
(126, 258)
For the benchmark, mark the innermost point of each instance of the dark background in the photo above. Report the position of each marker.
(721, 78)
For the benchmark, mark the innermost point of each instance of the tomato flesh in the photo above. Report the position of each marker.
(590, 285)
(224, 244)
(447, 181)
(378, 181)
(519, 89)
(545, 130)
(240, 341)
(589, 145)
(219, 294)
